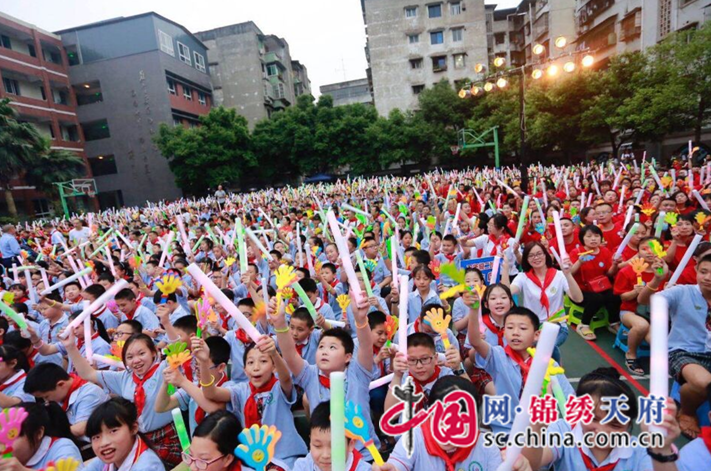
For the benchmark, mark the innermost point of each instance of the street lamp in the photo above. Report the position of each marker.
(475, 90)
(552, 70)
(499, 62)
(569, 66)
(488, 86)
(536, 74)
(502, 82)
(539, 49)
(588, 60)
(479, 68)
(560, 42)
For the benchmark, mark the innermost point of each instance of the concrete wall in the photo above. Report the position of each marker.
(390, 52)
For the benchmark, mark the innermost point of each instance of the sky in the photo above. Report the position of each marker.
(328, 36)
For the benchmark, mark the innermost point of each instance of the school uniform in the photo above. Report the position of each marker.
(574, 459)
(141, 458)
(99, 346)
(357, 389)
(179, 312)
(83, 398)
(425, 386)
(459, 312)
(187, 403)
(52, 449)
(238, 340)
(269, 407)
(696, 455)
(355, 462)
(148, 320)
(415, 303)
(14, 386)
(381, 271)
(491, 248)
(508, 379)
(382, 307)
(324, 309)
(330, 299)
(307, 350)
(103, 314)
(428, 456)
(49, 333)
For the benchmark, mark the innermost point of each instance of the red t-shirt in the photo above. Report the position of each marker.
(628, 253)
(599, 265)
(688, 275)
(612, 237)
(573, 245)
(625, 281)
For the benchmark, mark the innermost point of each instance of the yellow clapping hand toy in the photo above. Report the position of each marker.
(638, 265)
(435, 319)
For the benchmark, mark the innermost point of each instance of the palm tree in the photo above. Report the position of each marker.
(54, 166)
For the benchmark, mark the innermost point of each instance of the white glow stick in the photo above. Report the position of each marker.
(332, 323)
(111, 260)
(309, 260)
(45, 280)
(107, 361)
(622, 198)
(381, 381)
(222, 300)
(559, 235)
(533, 386)
(298, 246)
(625, 241)
(557, 258)
(685, 260)
(30, 287)
(522, 218)
(88, 348)
(354, 209)
(640, 194)
(253, 237)
(241, 247)
(495, 270)
(617, 179)
(183, 234)
(76, 276)
(590, 197)
(265, 290)
(347, 264)
(164, 255)
(628, 216)
(660, 224)
(15, 274)
(100, 301)
(404, 321)
(393, 263)
(701, 201)
(659, 354)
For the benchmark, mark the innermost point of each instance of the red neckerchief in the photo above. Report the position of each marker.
(591, 467)
(333, 284)
(224, 318)
(251, 413)
(140, 449)
(525, 365)
(98, 312)
(433, 448)
(77, 382)
(139, 298)
(416, 325)
(499, 331)
(496, 246)
(325, 381)
(77, 300)
(381, 365)
(356, 459)
(420, 386)
(300, 348)
(22, 299)
(129, 315)
(80, 340)
(449, 257)
(242, 336)
(188, 369)
(4, 386)
(32, 356)
(199, 413)
(706, 437)
(139, 395)
(550, 274)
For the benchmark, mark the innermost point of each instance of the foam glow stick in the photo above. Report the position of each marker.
(333, 323)
(265, 290)
(222, 300)
(166, 246)
(456, 214)
(617, 179)
(659, 354)
(45, 280)
(15, 274)
(19, 319)
(533, 386)
(111, 261)
(241, 247)
(338, 421)
(345, 256)
(364, 275)
(381, 381)
(660, 224)
(354, 209)
(30, 287)
(183, 234)
(99, 248)
(88, 348)
(625, 241)
(197, 244)
(403, 320)
(559, 235)
(700, 199)
(181, 429)
(107, 361)
(522, 218)
(305, 299)
(495, 270)
(253, 237)
(685, 259)
(299, 250)
(100, 301)
(622, 198)
(26, 268)
(76, 276)
(545, 194)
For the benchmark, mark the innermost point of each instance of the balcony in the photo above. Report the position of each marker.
(590, 11)
(271, 57)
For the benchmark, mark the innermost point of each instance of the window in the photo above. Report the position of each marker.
(272, 70)
(437, 37)
(177, 121)
(413, 38)
(184, 53)
(199, 61)
(5, 41)
(439, 63)
(457, 34)
(171, 86)
(44, 95)
(460, 61)
(52, 57)
(60, 97)
(411, 12)
(417, 89)
(455, 8)
(11, 86)
(434, 11)
(279, 90)
(70, 133)
(96, 130)
(103, 165)
(202, 99)
(416, 63)
(187, 93)
(32, 52)
(166, 43)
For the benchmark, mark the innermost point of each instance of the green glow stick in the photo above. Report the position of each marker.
(17, 318)
(100, 248)
(364, 274)
(522, 218)
(105, 234)
(338, 421)
(305, 299)
(197, 244)
(558, 393)
(181, 429)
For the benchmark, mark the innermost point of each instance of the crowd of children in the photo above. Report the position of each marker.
(100, 359)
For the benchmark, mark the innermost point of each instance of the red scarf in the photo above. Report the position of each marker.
(80, 341)
(525, 365)
(251, 413)
(325, 291)
(380, 365)
(129, 315)
(242, 336)
(23, 299)
(3, 387)
(188, 369)
(591, 467)
(496, 245)
(420, 386)
(325, 381)
(449, 257)
(550, 274)
(499, 331)
(139, 395)
(416, 325)
(356, 459)
(199, 413)
(32, 357)
(433, 448)
(706, 437)
(300, 348)
(77, 382)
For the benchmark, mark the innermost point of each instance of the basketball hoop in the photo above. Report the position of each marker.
(455, 150)
(91, 193)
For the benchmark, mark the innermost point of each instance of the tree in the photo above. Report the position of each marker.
(218, 151)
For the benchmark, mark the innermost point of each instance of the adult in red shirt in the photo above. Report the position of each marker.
(592, 268)
(570, 234)
(682, 234)
(610, 230)
(628, 287)
(688, 276)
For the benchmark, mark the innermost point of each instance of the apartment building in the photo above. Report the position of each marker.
(35, 78)
(413, 45)
(130, 74)
(349, 92)
(253, 72)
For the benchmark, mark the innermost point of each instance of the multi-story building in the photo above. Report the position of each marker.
(253, 72)
(349, 92)
(35, 78)
(130, 75)
(412, 45)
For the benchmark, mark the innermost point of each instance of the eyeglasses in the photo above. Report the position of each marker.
(118, 335)
(420, 361)
(536, 255)
(199, 464)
